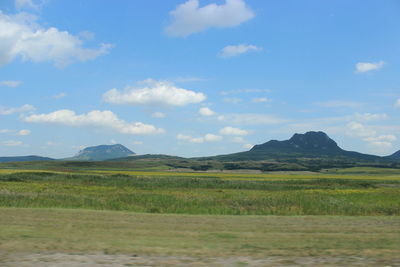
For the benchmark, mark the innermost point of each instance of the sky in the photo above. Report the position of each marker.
(197, 77)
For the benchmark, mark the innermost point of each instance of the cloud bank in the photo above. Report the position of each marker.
(96, 118)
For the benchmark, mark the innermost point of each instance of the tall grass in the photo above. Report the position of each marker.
(192, 194)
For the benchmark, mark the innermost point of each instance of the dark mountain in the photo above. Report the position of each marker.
(102, 152)
(24, 158)
(395, 156)
(308, 145)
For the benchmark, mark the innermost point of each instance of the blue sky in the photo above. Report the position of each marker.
(197, 78)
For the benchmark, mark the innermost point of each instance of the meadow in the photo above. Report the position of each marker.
(324, 217)
(203, 193)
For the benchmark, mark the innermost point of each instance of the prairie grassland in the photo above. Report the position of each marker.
(198, 194)
(136, 233)
(360, 173)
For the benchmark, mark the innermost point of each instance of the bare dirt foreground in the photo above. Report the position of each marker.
(78, 260)
(62, 237)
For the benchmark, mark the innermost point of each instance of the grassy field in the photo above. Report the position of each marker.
(283, 239)
(191, 193)
(341, 216)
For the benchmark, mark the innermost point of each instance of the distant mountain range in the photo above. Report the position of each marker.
(308, 145)
(395, 156)
(102, 152)
(24, 158)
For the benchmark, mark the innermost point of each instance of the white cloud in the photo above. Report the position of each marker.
(59, 96)
(154, 93)
(24, 132)
(248, 146)
(233, 131)
(368, 66)
(212, 138)
(20, 4)
(388, 138)
(370, 116)
(12, 84)
(3, 131)
(190, 18)
(12, 143)
(380, 142)
(253, 119)
(190, 138)
(339, 104)
(397, 104)
(9, 111)
(96, 118)
(21, 36)
(236, 50)
(260, 100)
(198, 140)
(158, 115)
(204, 111)
(358, 129)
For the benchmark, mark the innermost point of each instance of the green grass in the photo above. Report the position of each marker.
(206, 236)
(198, 194)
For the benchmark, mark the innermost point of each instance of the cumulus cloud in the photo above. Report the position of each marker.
(96, 118)
(368, 66)
(190, 18)
(24, 132)
(9, 111)
(204, 111)
(154, 93)
(12, 84)
(236, 50)
(206, 138)
(21, 36)
(233, 131)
